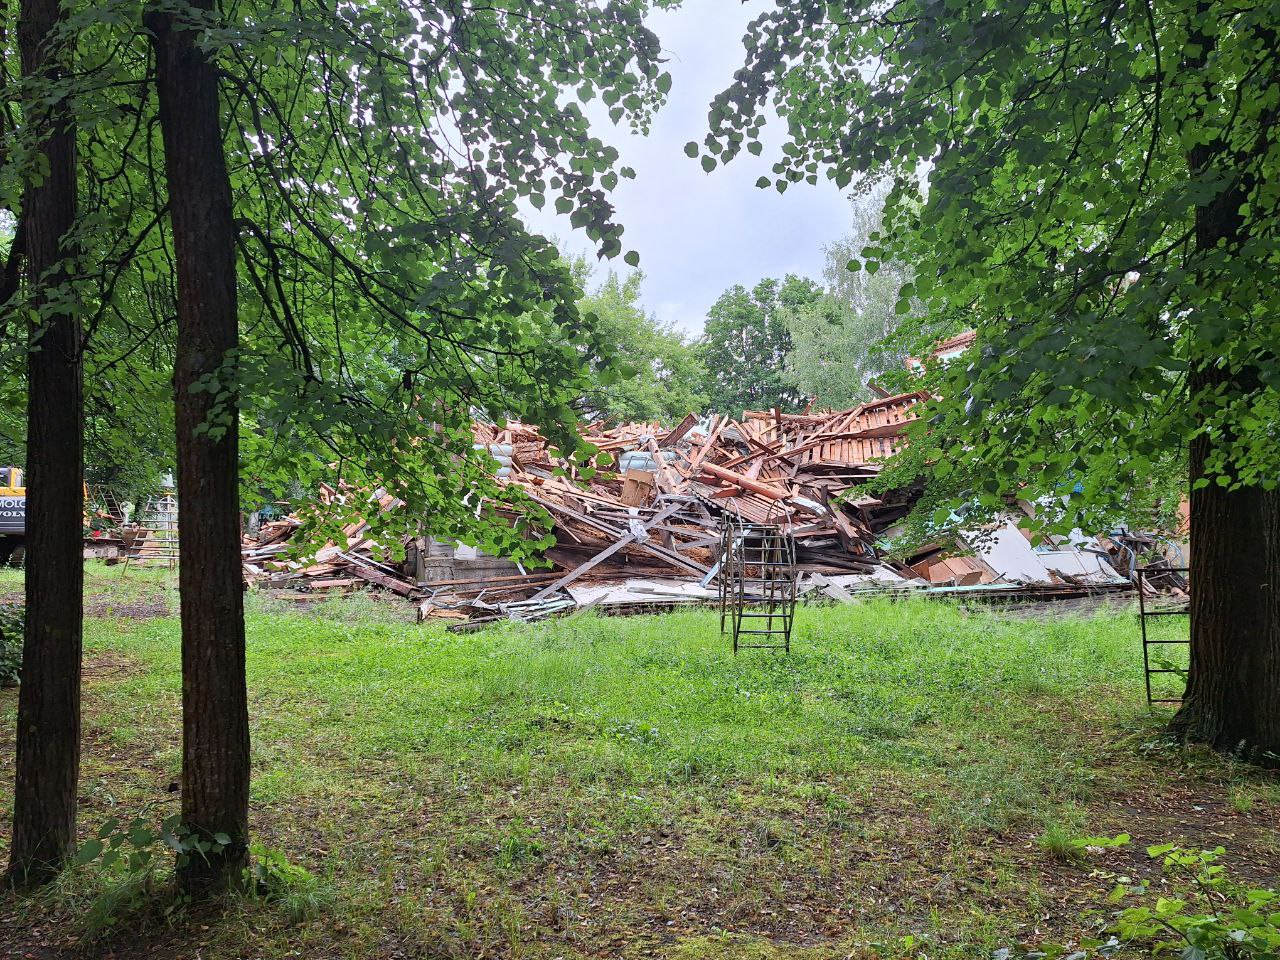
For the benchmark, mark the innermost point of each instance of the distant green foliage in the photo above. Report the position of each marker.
(128, 425)
(835, 352)
(746, 344)
(12, 620)
(844, 339)
(829, 352)
(666, 378)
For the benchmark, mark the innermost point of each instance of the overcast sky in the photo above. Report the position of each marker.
(700, 233)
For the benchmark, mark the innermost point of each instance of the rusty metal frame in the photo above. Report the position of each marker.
(757, 577)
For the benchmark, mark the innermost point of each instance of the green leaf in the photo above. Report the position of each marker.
(88, 851)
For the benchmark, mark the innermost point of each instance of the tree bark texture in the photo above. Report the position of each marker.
(1232, 701)
(48, 729)
(215, 719)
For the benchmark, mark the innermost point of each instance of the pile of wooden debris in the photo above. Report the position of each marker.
(643, 531)
(358, 561)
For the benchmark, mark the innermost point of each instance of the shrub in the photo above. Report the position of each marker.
(11, 624)
(1198, 913)
(1216, 917)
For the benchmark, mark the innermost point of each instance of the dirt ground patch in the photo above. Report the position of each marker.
(141, 608)
(108, 664)
(112, 608)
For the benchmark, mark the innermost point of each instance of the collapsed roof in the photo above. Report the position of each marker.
(648, 523)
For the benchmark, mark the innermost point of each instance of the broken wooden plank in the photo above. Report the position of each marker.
(631, 537)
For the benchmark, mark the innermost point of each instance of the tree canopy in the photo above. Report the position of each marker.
(746, 343)
(388, 288)
(1068, 148)
(663, 379)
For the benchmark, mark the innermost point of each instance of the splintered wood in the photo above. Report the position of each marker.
(640, 529)
(652, 509)
(796, 470)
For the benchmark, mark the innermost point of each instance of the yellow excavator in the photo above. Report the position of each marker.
(13, 516)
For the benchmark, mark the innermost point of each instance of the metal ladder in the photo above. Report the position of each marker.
(159, 523)
(757, 574)
(1166, 610)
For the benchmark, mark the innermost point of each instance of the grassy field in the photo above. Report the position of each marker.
(907, 782)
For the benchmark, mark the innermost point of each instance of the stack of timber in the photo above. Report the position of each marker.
(354, 562)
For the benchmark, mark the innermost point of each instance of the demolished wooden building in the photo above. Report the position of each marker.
(644, 532)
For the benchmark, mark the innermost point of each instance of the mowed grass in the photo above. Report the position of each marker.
(904, 781)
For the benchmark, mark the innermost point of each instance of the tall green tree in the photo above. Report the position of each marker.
(62, 293)
(215, 701)
(664, 378)
(1102, 206)
(835, 351)
(385, 289)
(745, 345)
(381, 229)
(845, 339)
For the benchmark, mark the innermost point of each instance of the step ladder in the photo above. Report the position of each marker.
(1159, 608)
(757, 578)
(157, 542)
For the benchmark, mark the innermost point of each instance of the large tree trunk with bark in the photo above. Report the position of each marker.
(215, 718)
(1232, 701)
(48, 732)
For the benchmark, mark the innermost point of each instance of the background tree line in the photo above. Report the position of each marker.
(780, 343)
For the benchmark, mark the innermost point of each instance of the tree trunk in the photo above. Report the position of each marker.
(1232, 701)
(48, 732)
(215, 718)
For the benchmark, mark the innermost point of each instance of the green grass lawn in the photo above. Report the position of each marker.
(627, 787)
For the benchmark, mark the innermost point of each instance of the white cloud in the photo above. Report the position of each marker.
(700, 233)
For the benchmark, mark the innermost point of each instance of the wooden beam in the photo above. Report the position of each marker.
(604, 554)
(368, 570)
(661, 552)
(755, 486)
(676, 435)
